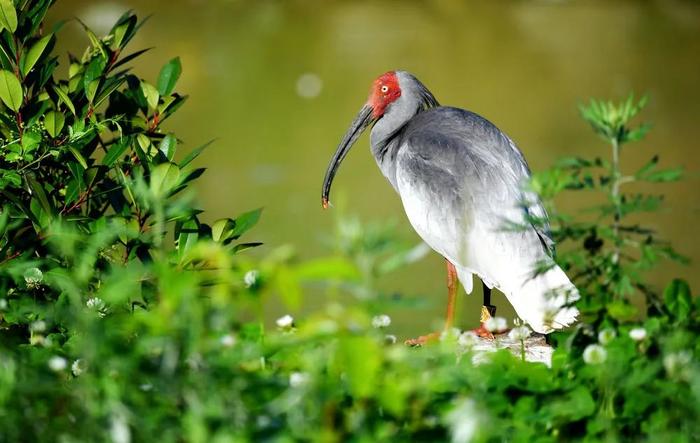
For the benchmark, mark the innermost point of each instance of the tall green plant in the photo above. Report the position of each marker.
(611, 253)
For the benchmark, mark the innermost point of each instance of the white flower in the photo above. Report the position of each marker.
(390, 339)
(464, 421)
(98, 305)
(381, 321)
(520, 333)
(38, 326)
(250, 278)
(297, 379)
(638, 334)
(606, 336)
(119, 429)
(57, 363)
(594, 354)
(227, 340)
(285, 322)
(33, 276)
(467, 339)
(496, 324)
(677, 364)
(78, 367)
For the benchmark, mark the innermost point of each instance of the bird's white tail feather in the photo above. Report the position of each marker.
(542, 301)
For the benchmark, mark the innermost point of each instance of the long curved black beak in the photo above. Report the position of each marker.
(363, 119)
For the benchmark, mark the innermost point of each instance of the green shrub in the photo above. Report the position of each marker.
(124, 318)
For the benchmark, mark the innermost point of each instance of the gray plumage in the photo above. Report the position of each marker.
(461, 181)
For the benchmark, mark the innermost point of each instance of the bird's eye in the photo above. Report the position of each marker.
(385, 89)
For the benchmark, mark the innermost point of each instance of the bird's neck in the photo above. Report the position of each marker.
(385, 141)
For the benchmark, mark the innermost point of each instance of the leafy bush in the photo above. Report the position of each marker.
(126, 318)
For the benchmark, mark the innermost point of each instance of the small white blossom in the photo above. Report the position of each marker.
(464, 421)
(381, 321)
(606, 336)
(297, 379)
(33, 276)
(78, 367)
(520, 333)
(250, 278)
(38, 326)
(467, 339)
(57, 363)
(285, 322)
(227, 340)
(496, 324)
(98, 305)
(638, 334)
(119, 429)
(677, 364)
(594, 354)
(390, 339)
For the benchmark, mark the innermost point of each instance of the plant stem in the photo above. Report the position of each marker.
(615, 194)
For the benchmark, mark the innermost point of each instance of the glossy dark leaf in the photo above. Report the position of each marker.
(168, 76)
(10, 90)
(245, 221)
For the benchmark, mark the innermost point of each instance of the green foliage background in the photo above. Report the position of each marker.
(123, 317)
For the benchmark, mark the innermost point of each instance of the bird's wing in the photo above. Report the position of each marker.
(466, 155)
(462, 187)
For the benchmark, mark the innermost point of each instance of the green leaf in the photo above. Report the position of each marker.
(164, 177)
(40, 194)
(678, 299)
(169, 75)
(221, 229)
(65, 99)
(30, 141)
(194, 154)
(359, 359)
(168, 145)
(93, 73)
(151, 95)
(78, 156)
(667, 175)
(8, 15)
(34, 53)
(245, 221)
(187, 236)
(10, 90)
(115, 151)
(53, 122)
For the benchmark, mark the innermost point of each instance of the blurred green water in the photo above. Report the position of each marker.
(278, 82)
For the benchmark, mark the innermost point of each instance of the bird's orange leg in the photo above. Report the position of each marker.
(452, 285)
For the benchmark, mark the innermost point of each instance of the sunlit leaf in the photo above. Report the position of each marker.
(168, 76)
(8, 15)
(10, 90)
(53, 122)
(34, 53)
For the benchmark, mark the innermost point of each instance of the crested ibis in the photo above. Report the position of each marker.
(462, 182)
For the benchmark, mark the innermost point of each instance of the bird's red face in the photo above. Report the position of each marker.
(385, 90)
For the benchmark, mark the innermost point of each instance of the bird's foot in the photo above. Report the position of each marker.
(422, 340)
(487, 312)
(482, 332)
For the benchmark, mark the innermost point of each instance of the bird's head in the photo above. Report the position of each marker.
(395, 93)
